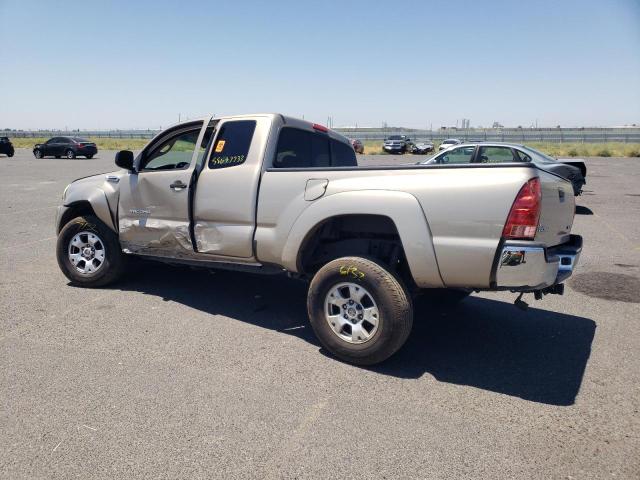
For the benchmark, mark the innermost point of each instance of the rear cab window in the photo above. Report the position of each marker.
(232, 144)
(303, 149)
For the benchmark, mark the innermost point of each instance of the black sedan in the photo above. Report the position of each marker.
(484, 152)
(6, 146)
(69, 147)
(422, 148)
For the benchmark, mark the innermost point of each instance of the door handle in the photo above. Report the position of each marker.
(178, 185)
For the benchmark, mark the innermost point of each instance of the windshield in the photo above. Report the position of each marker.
(395, 137)
(542, 157)
(78, 139)
(449, 141)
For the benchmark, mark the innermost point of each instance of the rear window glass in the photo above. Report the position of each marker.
(232, 144)
(304, 149)
(342, 155)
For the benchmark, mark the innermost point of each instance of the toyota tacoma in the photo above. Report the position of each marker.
(273, 194)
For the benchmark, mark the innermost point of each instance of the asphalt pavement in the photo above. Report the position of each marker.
(181, 373)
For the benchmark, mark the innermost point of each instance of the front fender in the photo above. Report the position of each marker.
(102, 197)
(402, 208)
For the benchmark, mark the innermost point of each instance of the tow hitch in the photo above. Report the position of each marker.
(557, 289)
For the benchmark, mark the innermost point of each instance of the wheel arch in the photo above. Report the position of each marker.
(95, 204)
(382, 208)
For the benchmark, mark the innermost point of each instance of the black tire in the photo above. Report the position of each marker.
(393, 303)
(10, 154)
(57, 156)
(89, 157)
(114, 262)
(38, 154)
(70, 154)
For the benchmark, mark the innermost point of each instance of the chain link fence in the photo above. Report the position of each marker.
(514, 135)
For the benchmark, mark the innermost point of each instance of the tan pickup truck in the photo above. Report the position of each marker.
(273, 194)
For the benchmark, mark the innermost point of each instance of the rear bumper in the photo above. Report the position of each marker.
(526, 268)
(86, 151)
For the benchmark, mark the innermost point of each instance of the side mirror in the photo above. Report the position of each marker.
(124, 159)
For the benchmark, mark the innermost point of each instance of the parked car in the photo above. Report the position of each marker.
(266, 194)
(397, 144)
(70, 147)
(449, 142)
(422, 148)
(6, 146)
(573, 170)
(357, 145)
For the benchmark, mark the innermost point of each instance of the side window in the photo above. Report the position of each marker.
(301, 149)
(232, 143)
(173, 153)
(496, 155)
(52, 141)
(458, 155)
(342, 155)
(523, 156)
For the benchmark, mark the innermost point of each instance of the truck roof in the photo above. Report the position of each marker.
(287, 120)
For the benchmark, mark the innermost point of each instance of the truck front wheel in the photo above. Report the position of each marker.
(89, 252)
(359, 311)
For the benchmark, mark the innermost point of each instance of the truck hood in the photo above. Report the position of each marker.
(97, 177)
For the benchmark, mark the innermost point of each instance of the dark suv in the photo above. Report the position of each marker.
(6, 146)
(70, 147)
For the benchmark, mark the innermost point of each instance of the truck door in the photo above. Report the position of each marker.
(224, 207)
(153, 213)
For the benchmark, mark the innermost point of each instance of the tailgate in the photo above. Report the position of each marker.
(558, 209)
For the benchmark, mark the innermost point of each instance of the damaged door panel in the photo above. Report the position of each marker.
(154, 201)
(225, 200)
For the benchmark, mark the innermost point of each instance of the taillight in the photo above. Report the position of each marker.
(522, 222)
(320, 128)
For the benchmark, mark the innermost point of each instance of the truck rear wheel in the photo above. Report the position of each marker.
(359, 311)
(89, 252)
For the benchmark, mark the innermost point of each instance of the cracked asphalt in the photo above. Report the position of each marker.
(181, 373)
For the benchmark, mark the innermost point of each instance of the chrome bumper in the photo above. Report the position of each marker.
(530, 267)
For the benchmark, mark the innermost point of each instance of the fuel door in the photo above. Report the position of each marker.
(316, 187)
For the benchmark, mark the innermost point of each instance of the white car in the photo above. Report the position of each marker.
(449, 142)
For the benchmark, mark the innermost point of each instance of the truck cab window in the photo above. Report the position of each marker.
(342, 155)
(173, 153)
(302, 149)
(231, 146)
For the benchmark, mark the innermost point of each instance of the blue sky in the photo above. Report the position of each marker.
(138, 64)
